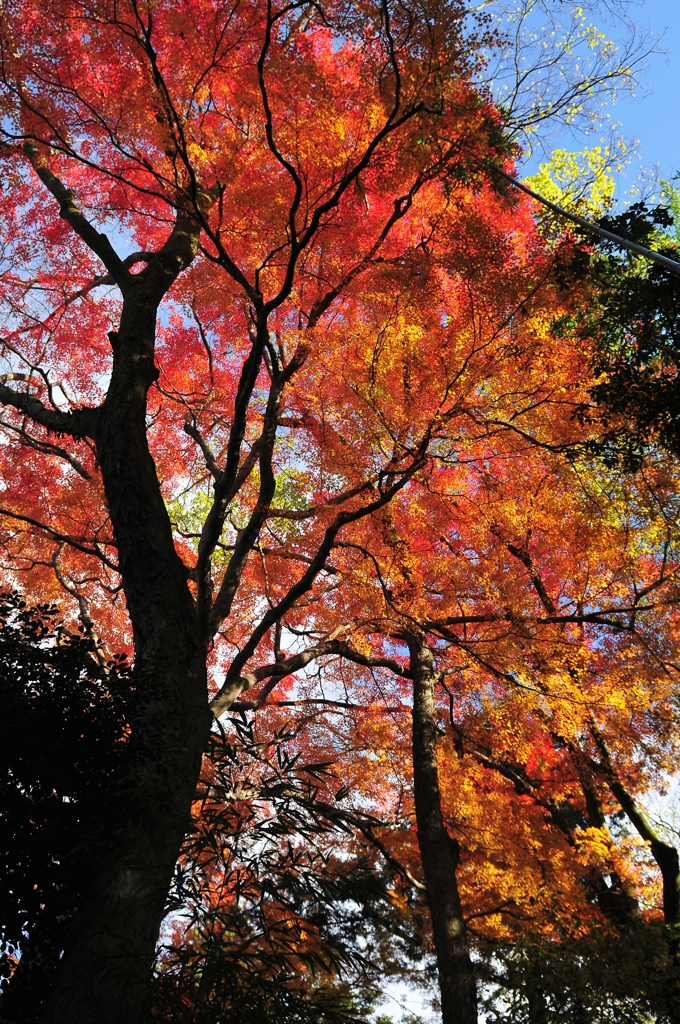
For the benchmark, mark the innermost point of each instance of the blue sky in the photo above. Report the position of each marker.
(649, 120)
(653, 117)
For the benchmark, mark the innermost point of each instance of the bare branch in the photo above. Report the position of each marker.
(336, 499)
(192, 430)
(84, 611)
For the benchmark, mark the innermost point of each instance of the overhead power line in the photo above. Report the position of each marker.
(624, 243)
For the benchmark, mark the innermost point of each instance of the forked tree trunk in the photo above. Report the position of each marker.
(106, 969)
(439, 851)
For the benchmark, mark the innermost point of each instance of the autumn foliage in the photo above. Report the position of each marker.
(292, 397)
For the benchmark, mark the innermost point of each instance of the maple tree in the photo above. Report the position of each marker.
(560, 697)
(317, 419)
(155, 142)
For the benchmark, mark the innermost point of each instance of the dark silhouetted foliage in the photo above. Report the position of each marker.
(604, 977)
(634, 314)
(61, 739)
(270, 923)
(266, 924)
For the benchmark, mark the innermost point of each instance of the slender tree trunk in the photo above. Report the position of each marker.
(106, 969)
(439, 851)
(665, 855)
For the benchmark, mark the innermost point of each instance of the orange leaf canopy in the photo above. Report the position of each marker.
(336, 159)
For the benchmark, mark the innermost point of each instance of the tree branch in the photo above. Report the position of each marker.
(68, 210)
(192, 430)
(316, 565)
(79, 423)
(233, 688)
(525, 558)
(84, 611)
(46, 448)
(250, 533)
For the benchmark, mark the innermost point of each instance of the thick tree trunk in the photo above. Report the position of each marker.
(106, 969)
(439, 851)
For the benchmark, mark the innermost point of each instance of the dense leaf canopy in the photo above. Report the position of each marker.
(298, 411)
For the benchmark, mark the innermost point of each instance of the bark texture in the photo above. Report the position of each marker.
(439, 851)
(106, 969)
